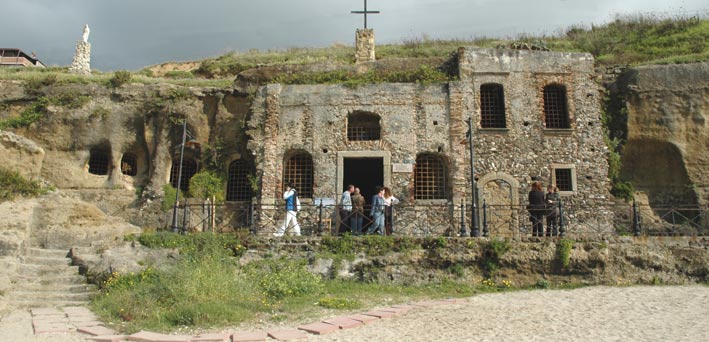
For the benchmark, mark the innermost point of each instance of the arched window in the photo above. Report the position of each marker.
(492, 106)
(430, 178)
(238, 187)
(99, 161)
(189, 168)
(129, 164)
(556, 114)
(362, 126)
(299, 170)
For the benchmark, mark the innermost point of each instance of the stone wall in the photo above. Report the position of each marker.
(364, 45)
(431, 119)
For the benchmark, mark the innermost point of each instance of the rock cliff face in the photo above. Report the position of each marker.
(667, 154)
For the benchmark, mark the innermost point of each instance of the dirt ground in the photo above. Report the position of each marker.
(637, 313)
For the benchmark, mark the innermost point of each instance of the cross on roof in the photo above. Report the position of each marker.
(365, 12)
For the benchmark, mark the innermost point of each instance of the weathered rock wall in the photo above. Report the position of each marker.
(140, 120)
(667, 153)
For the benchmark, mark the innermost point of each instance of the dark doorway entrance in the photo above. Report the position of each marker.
(364, 173)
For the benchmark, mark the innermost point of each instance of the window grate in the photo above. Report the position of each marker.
(189, 168)
(99, 161)
(555, 112)
(429, 178)
(492, 106)
(129, 164)
(299, 170)
(363, 126)
(564, 180)
(238, 187)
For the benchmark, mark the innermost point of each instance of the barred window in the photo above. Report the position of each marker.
(299, 170)
(429, 178)
(556, 113)
(492, 106)
(564, 179)
(189, 168)
(129, 164)
(362, 126)
(99, 161)
(238, 187)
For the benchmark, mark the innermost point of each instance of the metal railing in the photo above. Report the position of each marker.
(448, 219)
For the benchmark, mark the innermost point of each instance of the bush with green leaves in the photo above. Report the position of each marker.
(169, 196)
(563, 251)
(13, 184)
(283, 278)
(120, 78)
(207, 185)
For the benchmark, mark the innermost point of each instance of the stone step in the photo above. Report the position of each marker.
(53, 279)
(58, 287)
(47, 261)
(44, 270)
(45, 304)
(48, 253)
(51, 296)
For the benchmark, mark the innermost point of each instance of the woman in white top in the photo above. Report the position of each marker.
(389, 200)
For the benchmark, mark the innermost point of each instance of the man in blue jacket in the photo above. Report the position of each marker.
(377, 212)
(292, 207)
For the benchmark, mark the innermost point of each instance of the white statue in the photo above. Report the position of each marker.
(86, 33)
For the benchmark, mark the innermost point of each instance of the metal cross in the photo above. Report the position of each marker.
(365, 12)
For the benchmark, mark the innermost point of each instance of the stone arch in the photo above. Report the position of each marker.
(100, 160)
(499, 191)
(189, 169)
(238, 187)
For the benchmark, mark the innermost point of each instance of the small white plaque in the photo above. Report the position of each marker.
(324, 201)
(402, 168)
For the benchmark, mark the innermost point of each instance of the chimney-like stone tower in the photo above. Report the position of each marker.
(364, 45)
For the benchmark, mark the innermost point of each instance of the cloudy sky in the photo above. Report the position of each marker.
(131, 34)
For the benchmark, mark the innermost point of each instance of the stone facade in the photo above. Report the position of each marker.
(431, 120)
(81, 64)
(364, 45)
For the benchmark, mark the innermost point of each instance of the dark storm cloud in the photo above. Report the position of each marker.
(131, 34)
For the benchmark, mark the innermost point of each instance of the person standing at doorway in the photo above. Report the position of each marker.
(292, 207)
(377, 212)
(537, 208)
(389, 201)
(357, 212)
(346, 209)
(552, 202)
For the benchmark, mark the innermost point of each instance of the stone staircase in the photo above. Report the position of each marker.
(46, 279)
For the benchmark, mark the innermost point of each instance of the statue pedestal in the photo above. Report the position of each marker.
(364, 46)
(81, 64)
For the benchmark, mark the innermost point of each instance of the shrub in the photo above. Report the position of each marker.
(492, 254)
(168, 199)
(563, 251)
(33, 113)
(339, 303)
(120, 78)
(13, 184)
(285, 278)
(206, 184)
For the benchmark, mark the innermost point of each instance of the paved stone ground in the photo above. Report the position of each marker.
(639, 313)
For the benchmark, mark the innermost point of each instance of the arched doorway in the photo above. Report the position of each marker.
(499, 192)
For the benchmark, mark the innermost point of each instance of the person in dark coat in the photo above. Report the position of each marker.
(537, 209)
(552, 203)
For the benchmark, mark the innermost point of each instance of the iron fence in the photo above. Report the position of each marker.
(449, 219)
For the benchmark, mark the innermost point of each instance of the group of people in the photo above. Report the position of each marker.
(352, 210)
(543, 205)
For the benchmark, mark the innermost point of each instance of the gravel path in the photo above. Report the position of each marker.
(637, 313)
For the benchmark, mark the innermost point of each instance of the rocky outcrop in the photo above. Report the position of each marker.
(21, 154)
(666, 153)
